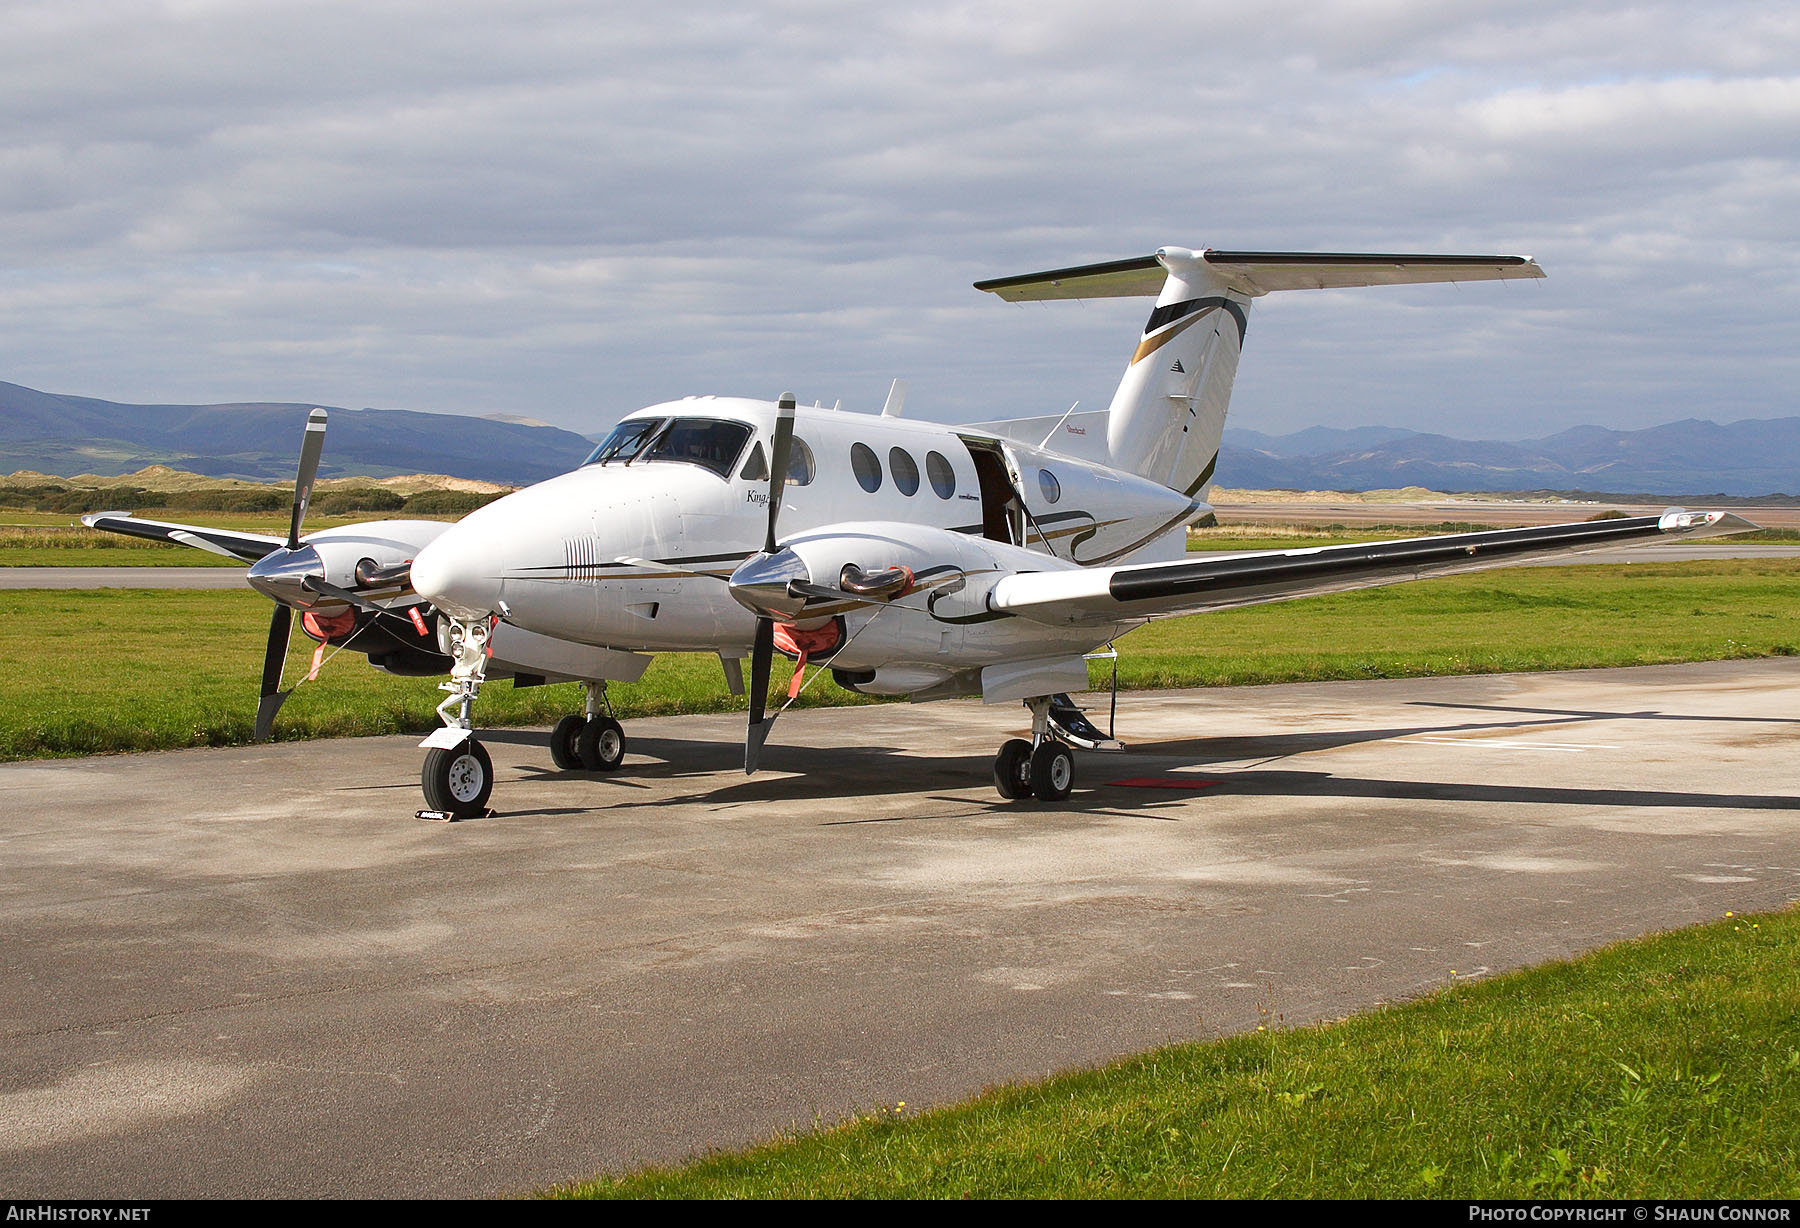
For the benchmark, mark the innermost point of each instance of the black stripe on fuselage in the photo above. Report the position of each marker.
(1205, 477)
(1141, 542)
(1225, 575)
(1168, 313)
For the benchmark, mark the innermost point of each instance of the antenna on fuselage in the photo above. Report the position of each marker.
(1058, 426)
(896, 400)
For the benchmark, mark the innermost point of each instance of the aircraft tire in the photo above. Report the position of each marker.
(1012, 770)
(601, 744)
(1052, 771)
(459, 781)
(565, 743)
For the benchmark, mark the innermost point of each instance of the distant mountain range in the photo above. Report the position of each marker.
(1753, 457)
(67, 435)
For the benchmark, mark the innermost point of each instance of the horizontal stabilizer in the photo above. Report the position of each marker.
(1114, 279)
(1257, 273)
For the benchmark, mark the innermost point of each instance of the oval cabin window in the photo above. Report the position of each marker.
(800, 467)
(866, 467)
(905, 471)
(943, 477)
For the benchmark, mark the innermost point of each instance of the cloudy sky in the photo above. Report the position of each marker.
(566, 210)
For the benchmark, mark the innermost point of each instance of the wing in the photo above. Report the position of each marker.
(1110, 594)
(246, 546)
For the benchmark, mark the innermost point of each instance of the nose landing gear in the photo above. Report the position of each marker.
(458, 781)
(458, 775)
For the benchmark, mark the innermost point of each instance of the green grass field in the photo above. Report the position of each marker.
(92, 671)
(1664, 1068)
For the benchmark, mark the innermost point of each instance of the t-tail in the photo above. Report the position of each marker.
(1168, 415)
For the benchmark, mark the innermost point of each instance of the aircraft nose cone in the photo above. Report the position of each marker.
(455, 578)
(280, 575)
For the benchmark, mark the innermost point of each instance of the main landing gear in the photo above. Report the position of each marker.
(1044, 767)
(594, 742)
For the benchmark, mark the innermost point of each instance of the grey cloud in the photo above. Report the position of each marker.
(567, 209)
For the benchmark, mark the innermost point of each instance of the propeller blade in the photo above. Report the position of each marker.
(312, 445)
(313, 584)
(274, 657)
(757, 732)
(779, 447)
(628, 560)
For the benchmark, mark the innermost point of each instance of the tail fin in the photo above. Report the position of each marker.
(1168, 414)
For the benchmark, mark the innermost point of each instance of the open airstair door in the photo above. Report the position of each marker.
(1002, 516)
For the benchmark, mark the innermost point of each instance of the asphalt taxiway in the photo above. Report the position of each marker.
(252, 971)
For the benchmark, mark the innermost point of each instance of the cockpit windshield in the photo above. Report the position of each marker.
(712, 443)
(708, 442)
(626, 441)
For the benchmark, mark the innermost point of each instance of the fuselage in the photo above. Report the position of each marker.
(632, 549)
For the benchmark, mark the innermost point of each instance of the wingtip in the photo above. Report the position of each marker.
(1678, 520)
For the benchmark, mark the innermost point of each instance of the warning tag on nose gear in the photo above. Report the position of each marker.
(418, 623)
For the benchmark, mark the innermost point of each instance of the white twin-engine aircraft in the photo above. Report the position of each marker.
(918, 559)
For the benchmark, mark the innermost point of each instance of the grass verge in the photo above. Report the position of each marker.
(1664, 1068)
(90, 671)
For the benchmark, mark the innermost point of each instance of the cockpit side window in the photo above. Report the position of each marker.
(711, 443)
(800, 464)
(756, 469)
(626, 441)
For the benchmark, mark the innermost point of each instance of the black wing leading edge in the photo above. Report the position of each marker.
(1093, 594)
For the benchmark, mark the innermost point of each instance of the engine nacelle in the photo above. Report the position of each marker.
(368, 558)
(933, 635)
(866, 563)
